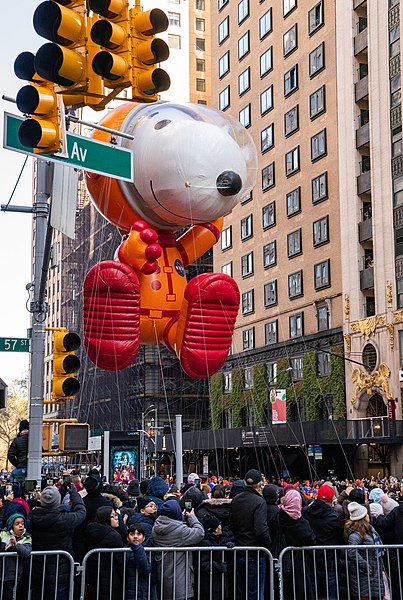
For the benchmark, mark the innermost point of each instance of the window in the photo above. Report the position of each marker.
(321, 231)
(269, 254)
(247, 264)
(222, 3)
(317, 60)
(293, 202)
(223, 99)
(317, 102)
(248, 339)
(291, 81)
(246, 227)
(247, 198)
(294, 243)
(248, 378)
(265, 24)
(266, 100)
(318, 145)
(268, 177)
(244, 116)
(319, 188)
(296, 325)
(295, 285)
(243, 45)
(291, 121)
(290, 40)
(200, 85)
(227, 269)
(223, 65)
(292, 161)
(296, 365)
(267, 138)
(200, 25)
(315, 17)
(174, 1)
(323, 364)
(288, 6)
(269, 215)
(271, 373)
(322, 274)
(270, 293)
(248, 304)
(270, 335)
(243, 10)
(200, 64)
(174, 19)
(174, 41)
(266, 62)
(322, 315)
(227, 382)
(200, 5)
(244, 81)
(226, 238)
(223, 30)
(200, 44)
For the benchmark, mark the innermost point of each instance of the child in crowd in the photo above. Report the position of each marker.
(138, 566)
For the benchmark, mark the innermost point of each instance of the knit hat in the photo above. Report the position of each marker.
(388, 504)
(356, 511)
(93, 484)
(133, 489)
(325, 492)
(375, 495)
(24, 425)
(270, 493)
(357, 495)
(50, 497)
(210, 523)
(171, 509)
(253, 477)
(237, 487)
(143, 502)
(10, 520)
(192, 477)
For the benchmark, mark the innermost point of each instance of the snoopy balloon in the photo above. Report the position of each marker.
(192, 165)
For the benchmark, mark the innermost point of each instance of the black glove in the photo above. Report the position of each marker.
(222, 567)
(230, 545)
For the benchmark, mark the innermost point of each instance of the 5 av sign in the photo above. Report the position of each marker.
(82, 152)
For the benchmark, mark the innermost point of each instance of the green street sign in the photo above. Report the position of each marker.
(82, 152)
(14, 345)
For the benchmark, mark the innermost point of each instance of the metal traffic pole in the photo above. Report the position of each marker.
(179, 450)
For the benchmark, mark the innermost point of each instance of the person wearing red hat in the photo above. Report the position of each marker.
(328, 526)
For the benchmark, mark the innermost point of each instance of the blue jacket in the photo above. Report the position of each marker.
(138, 569)
(156, 490)
(146, 522)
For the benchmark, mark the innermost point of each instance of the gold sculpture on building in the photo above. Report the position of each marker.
(347, 340)
(389, 296)
(367, 326)
(365, 381)
(347, 306)
(391, 329)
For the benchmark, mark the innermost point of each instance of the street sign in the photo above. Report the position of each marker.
(14, 345)
(82, 152)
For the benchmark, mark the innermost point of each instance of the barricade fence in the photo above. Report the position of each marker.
(207, 573)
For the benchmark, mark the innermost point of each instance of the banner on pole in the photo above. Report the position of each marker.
(278, 399)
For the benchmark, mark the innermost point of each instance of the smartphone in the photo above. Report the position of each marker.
(9, 488)
(66, 479)
(188, 505)
(29, 485)
(49, 481)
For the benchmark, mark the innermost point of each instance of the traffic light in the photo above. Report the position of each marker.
(73, 437)
(45, 130)
(47, 437)
(65, 364)
(113, 34)
(147, 51)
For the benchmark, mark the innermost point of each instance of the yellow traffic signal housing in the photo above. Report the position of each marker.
(73, 437)
(65, 364)
(113, 34)
(147, 50)
(45, 131)
(47, 437)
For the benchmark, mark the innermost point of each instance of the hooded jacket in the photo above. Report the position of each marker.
(249, 519)
(156, 490)
(18, 451)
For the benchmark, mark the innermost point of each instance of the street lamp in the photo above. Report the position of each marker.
(150, 409)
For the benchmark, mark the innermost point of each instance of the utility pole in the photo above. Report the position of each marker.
(179, 450)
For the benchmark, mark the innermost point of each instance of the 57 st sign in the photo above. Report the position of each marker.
(14, 345)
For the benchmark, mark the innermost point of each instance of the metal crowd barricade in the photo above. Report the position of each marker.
(341, 572)
(37, 577)
(183, 572)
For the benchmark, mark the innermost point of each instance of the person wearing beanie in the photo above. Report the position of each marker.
(390, 527)
(172, 528)
(18, 452)
(14, 503)
(145, 516)
(216, 568)
(249, 525)
(133, 489)
(365, 567)
(138, 566)
(13, 539)
(52, 525)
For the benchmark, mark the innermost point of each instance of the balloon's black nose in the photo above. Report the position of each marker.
(229, 183)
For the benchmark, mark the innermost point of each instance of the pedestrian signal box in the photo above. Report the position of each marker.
(73, 437)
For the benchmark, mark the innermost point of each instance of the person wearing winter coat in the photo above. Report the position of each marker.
(15, 503)
(217, 506)
(389, 525)
(216, 567)
(170, 529)
(14, 539)
(145, 516)
(18, 451)
(156, 490)
(138, 566)
(297, 532)
(52, 526)
(365, 567)
(105, 570)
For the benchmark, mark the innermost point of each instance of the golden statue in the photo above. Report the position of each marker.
(364, 381)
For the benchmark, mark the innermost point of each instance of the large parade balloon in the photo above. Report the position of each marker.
(192, 165)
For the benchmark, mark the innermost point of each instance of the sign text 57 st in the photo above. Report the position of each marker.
(14, 345)
(82, 152)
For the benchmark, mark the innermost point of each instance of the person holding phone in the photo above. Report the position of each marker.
(14, 539)
(18, 452)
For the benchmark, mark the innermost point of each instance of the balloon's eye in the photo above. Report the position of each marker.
(162, 124)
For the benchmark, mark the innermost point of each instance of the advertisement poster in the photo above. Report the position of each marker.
(278, 399)
(124, 463)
